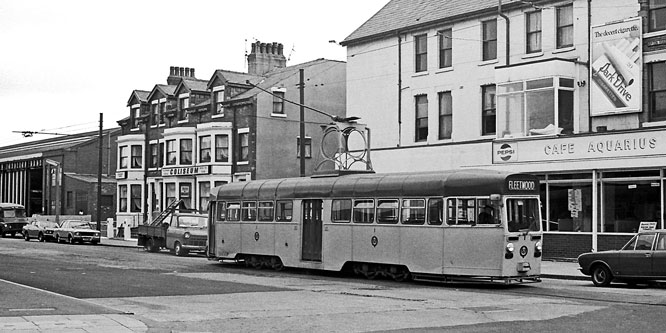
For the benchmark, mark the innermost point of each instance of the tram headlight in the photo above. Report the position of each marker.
(537, 249)
(186, 235)
(509, 251)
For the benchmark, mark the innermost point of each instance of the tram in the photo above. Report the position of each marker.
(450, 225)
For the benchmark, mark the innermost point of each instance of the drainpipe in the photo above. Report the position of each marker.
(507, 32)
(589, 62)
(399, 90)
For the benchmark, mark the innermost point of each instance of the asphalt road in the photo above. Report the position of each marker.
(193, 294)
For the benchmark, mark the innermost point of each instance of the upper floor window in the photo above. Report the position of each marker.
(171, 152)
(186, 151)
(221, 148)
(184, 103)
(308, 147)
(445, 115)
(136, 115)
(154, 155)
(488, 114)
(137, 156)
(533, 31)
(533, 107)
(489, 39)
(445, 48)
(565, 24)
(421, 128)
(657, 15)
(421, 52)
(124, 156)
(219, 98)
(278, 102)
(244, 146)
(657, 90)
(204, 149)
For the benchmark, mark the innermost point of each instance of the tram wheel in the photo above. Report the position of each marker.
(276, 264)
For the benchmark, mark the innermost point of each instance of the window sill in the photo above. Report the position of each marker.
(182, 122)
(219, 115)
(488, 62)
(564, 49)
(417, 74)
(444, 70)
(654, 33)
(243, 163)
(532, 55)
(654, 124)
(278, 115)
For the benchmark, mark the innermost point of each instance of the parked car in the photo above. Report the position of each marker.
(75, 231)
(42, 230)
(642, 259)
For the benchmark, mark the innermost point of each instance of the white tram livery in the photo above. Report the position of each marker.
(449, 225)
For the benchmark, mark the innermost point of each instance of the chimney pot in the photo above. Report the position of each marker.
(171, 70)
(254, 48)
(182, 71)
(274, 49)
(187, 71)
(192, 72)
(280, 49)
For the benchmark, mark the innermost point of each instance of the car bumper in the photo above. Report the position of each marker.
(90, 239)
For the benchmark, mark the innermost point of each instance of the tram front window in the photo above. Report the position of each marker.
(523, 215)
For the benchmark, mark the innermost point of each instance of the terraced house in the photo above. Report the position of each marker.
(186, 136)
(573, 91)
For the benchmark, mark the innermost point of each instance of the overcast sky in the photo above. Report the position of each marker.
(64, 62)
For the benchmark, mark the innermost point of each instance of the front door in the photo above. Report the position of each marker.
(312, 230)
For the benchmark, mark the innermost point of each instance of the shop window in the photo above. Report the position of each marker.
(565, 26)
(570, 206)
(171, 195)
(627, 203)
(535, 107)
(489, 39)
(656, 15)
(445, 48)
(533, 32)
(421, 108)
(657, 90)
(445, 115)
(185, 192)
(186, 151)
(421, 53)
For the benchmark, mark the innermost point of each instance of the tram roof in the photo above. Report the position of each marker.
(441, 183)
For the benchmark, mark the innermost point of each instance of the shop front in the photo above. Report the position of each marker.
(595, 189)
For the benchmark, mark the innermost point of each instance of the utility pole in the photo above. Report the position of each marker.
(301, 88)
(99, 173)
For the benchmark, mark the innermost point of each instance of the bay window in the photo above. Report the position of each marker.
(186, 151)
(533, 107)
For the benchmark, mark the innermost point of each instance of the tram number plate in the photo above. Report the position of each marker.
(523, 267)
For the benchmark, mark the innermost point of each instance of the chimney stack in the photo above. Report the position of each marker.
(265, 57)
(175, 73)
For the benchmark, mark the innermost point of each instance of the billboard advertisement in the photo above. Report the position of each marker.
(616, 57)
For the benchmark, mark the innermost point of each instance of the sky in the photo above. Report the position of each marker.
(64, 62)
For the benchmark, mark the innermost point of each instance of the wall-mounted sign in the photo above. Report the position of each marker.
(616, 67)
(186, 171)
(581, 148)
(121, 174)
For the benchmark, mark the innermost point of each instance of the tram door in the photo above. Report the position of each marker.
(312, 230)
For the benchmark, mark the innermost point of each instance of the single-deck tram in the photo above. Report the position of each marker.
(466, 224)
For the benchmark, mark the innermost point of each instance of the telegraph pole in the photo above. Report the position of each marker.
(301, 88)
(99, 172)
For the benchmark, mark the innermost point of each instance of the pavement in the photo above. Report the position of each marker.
(550, 269)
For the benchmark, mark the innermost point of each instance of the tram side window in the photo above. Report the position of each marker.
(461, 211)
(221, 211)
(265, 211)
(249, 211)
(413, 211)
(435, 211)
(233, 212)
(364, 211)
(487, 213)
(284, 210)
(341, 210)
(387, 211)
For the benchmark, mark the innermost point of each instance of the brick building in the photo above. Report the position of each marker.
(185, 137)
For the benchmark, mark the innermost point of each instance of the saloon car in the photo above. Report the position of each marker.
(642, 259)
(41, 230)
(75, 231)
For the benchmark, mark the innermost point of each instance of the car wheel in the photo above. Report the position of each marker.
(13, 234)
(26, 236)
(57, 239)
(178, 248)
(40, 237)
(601, 276)
(70, 240)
